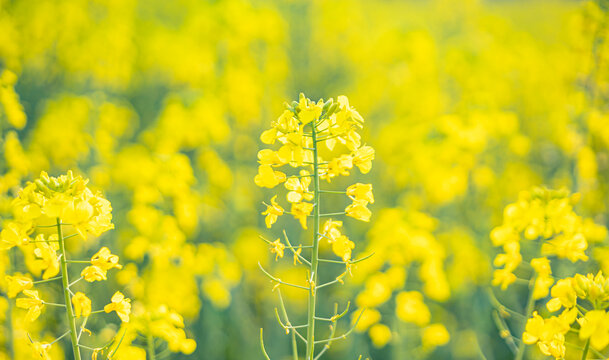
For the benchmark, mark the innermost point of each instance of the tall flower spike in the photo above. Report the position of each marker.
(298, 132)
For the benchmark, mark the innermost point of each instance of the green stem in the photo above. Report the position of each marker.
(310, 355)
(66, 292)
(150, 341)
(527, 314)
(47, 280)
(586, 347)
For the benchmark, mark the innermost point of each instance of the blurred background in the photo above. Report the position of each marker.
(161, 104)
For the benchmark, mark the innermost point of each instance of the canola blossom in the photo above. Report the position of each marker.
(146, 148)
(301, 132)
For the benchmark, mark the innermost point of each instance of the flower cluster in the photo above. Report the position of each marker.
(540, 215)
(63, 204)
(585, 300)
(322, 140)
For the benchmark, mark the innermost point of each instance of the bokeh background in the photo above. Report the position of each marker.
(161, 103)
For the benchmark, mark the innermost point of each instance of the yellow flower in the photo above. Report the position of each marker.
(47, 254)
(277, 247)
(267, 177)
(361, 192)
(269, 157)
(12, 234)
(330, 229)
(544, 279)
(272, 212)
(595, 326)
(82, 304)
(300, 211)
(78, 213)
(121, 305)
(42, 350)
(104, 260)
(93, 273)
(358, 210)
(269, 136)
(17, 283)
(299, 188)
(380, 335)
(32, 303)
(411, 308)
(338, 166)
(549, 334)
(435, 335)
(362, 158)
(342, 246)
(309, 110)
(563, 294)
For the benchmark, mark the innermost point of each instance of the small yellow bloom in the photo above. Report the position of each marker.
(272, 212)
(435, 335)
(12, 234)
(105, 260)
(361, 191)
(300, 211)
(42, 350)
(267, 177)
(358, 210)
(362, 158)
(82, 304)
(32, 303)
(277, 247)
(563, 294)
(411, 308)
(93, 273)
(299, 188)
(595, 325)
(380, 335)
(47, 254)
(309, 110)
(342, 246)
(121, 305)
(17, 283)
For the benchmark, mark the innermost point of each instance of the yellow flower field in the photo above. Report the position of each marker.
(344, 179)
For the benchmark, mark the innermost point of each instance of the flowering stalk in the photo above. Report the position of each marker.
(527, 313)
(66, 292)
(302, 127)
(315, 251)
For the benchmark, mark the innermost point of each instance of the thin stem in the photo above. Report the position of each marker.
(66, 292)
(332, 214)
(150, 342)
(586, 347)
(75, 281)
(50, 226)
(343, 336)
(332, 192)
(327, 284)
(59, 338)
(280, 281)
(310, 354)
(266, 356)
(332, 332)
(527, 314)
(294, 251)
(78, 261)
(46, 281)
(285, 316)
(53, 304)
